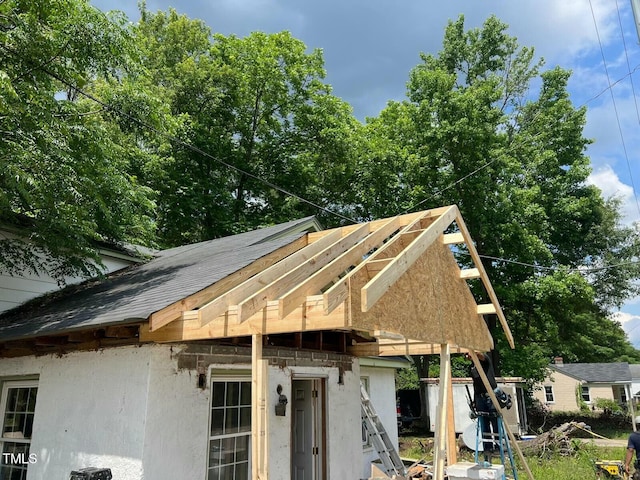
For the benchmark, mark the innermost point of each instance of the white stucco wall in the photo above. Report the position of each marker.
(382, 393)
(90, 411)
(177, 426)
(344, 452)
(131, 410)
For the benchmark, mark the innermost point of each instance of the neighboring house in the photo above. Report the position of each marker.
(566, 382)
(239, 357)
(18, 289)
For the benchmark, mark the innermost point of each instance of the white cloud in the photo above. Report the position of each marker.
(631, 325)
(608, 181)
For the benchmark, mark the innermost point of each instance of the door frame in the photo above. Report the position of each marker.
(319, 422)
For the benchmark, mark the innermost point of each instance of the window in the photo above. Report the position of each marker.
(366, 439)
(17, 404)
(585, 394)
(230, 437)
(548, 394)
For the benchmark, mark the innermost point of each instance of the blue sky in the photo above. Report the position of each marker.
(371, 45)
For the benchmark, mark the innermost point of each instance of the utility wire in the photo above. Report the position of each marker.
(615, 107)
(175, 139)
(272, 185)
(555, 269)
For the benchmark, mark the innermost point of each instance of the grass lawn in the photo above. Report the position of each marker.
(579, 466)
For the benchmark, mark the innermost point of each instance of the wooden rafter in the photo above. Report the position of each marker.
(174, 311)
(397, 276)
(251, 286)
(300, 273)
(485, 279)
(383, 280)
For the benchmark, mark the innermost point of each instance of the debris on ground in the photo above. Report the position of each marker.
(420, 470)
(555, 441)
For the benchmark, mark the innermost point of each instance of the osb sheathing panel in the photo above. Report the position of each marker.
(429, 303)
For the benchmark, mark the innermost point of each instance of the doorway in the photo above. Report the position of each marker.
(308, 437)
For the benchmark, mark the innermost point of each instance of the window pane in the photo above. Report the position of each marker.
(214, 453)
(217, 394)
(12, 400)
(245, 419)
(226, 473)
(217, 421)
(242, 448)
(228, 449)
(233, 394)
(32, 400)
(231, 420)
(245, 393)
(213, 473)
(242, 471)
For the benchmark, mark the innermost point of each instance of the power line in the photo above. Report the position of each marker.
(561, 268)
(615, 107)
(286, 192)
(175, 139)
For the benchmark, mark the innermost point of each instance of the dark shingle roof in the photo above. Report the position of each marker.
(135, 293)
(596, 372)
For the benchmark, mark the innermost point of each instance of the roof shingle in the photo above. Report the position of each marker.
(140, 290)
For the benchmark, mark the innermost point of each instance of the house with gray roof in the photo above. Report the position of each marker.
(568, 382)
(239, 357)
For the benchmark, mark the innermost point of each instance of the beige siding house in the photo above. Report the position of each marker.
(566, 383)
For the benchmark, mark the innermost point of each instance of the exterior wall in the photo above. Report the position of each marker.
(140, 411)
(600, 391)
(15, 290)
(382, 392)
(564, 392)
(90, 410)
(177, 421)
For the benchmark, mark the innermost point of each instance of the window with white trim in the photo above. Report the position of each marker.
(548, 394)
(17, 404)
(230, 430)
(585, 394)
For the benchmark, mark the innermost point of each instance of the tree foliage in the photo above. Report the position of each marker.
(61, 179)
(259, 123)
(474, 132)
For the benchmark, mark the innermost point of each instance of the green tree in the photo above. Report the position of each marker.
(253, 118)
(62, 186)
(474, 132)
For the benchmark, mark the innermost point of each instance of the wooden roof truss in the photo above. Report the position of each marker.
(396, 279)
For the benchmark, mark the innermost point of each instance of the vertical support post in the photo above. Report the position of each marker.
(440, 443)
(631, 409)
(258, 411)
(452, 454)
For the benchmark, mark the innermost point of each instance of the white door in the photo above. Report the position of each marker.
(307, 438)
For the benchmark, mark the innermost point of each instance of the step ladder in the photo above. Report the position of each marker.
(389, 456)
(498, 438)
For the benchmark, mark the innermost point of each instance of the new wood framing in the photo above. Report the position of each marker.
(397, 275)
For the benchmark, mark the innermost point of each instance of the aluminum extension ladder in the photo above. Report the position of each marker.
(500, 438)
(389, 456)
